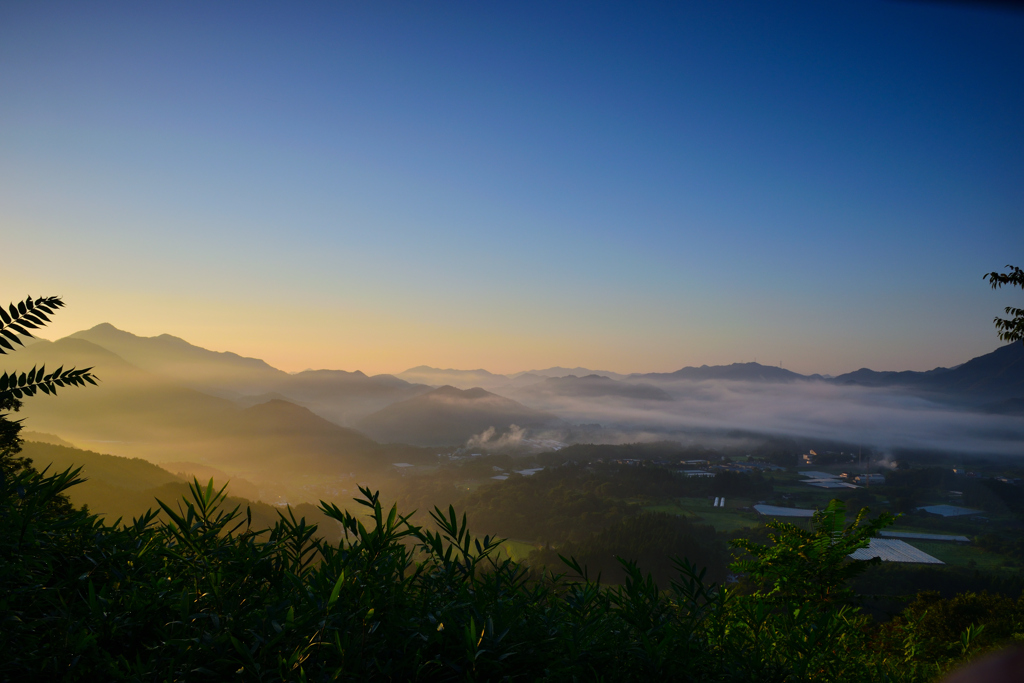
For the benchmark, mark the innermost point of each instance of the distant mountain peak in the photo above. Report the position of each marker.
(748, 372)
(326, 372)
(432, 370)
(448, 391)
(449, 415)
(558, 371)
(281, 407)
(991, 377)
(128, 345)
(178, 340)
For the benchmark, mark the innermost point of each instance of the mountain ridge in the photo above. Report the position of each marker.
(347, 397)
(733, 371)
(140, 414)
(1000, 371)
(991, 376)
(165, 354)
(449, 416)
(337, 395)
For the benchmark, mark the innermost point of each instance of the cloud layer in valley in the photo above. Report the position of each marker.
(884, 418)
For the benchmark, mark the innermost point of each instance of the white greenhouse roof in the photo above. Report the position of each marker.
(949, 510)
(831, 484)
(893, 550)
(923, 537)
(817, 475)
(698, 473)
(773, 511)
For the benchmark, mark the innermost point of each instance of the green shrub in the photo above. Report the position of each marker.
(205, 596)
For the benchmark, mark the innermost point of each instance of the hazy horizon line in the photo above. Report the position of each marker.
(510, 374)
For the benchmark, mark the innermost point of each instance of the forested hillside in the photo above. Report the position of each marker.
(114, 487)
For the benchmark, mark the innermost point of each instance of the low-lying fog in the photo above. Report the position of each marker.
(882, 417)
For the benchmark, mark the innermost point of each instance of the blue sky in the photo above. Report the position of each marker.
(518, 185)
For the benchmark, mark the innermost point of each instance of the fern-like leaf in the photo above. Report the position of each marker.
(30, 314)
(20, 385)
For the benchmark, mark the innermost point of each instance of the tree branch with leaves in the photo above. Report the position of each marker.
(1012, 329)
(810, 566)
(15, 322)
(28, 314)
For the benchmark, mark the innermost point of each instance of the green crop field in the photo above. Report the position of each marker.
(959, 554)
(725, 519)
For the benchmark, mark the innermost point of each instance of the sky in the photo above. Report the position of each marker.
(512, 186)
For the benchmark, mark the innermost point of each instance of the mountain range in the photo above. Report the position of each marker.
(217, 373)
(167, 400)
(132, 412)
(993, 377)
(744, 372)
(342, 397)
(348, 397)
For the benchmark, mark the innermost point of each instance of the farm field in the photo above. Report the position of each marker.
(960, 554)
(727, 519)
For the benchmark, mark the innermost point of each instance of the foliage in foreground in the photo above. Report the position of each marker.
(1009, 329)
(207, 597)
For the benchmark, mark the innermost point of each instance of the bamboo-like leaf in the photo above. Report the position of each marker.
(336, 591)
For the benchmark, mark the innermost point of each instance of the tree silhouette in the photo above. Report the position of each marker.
(1010, 330)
